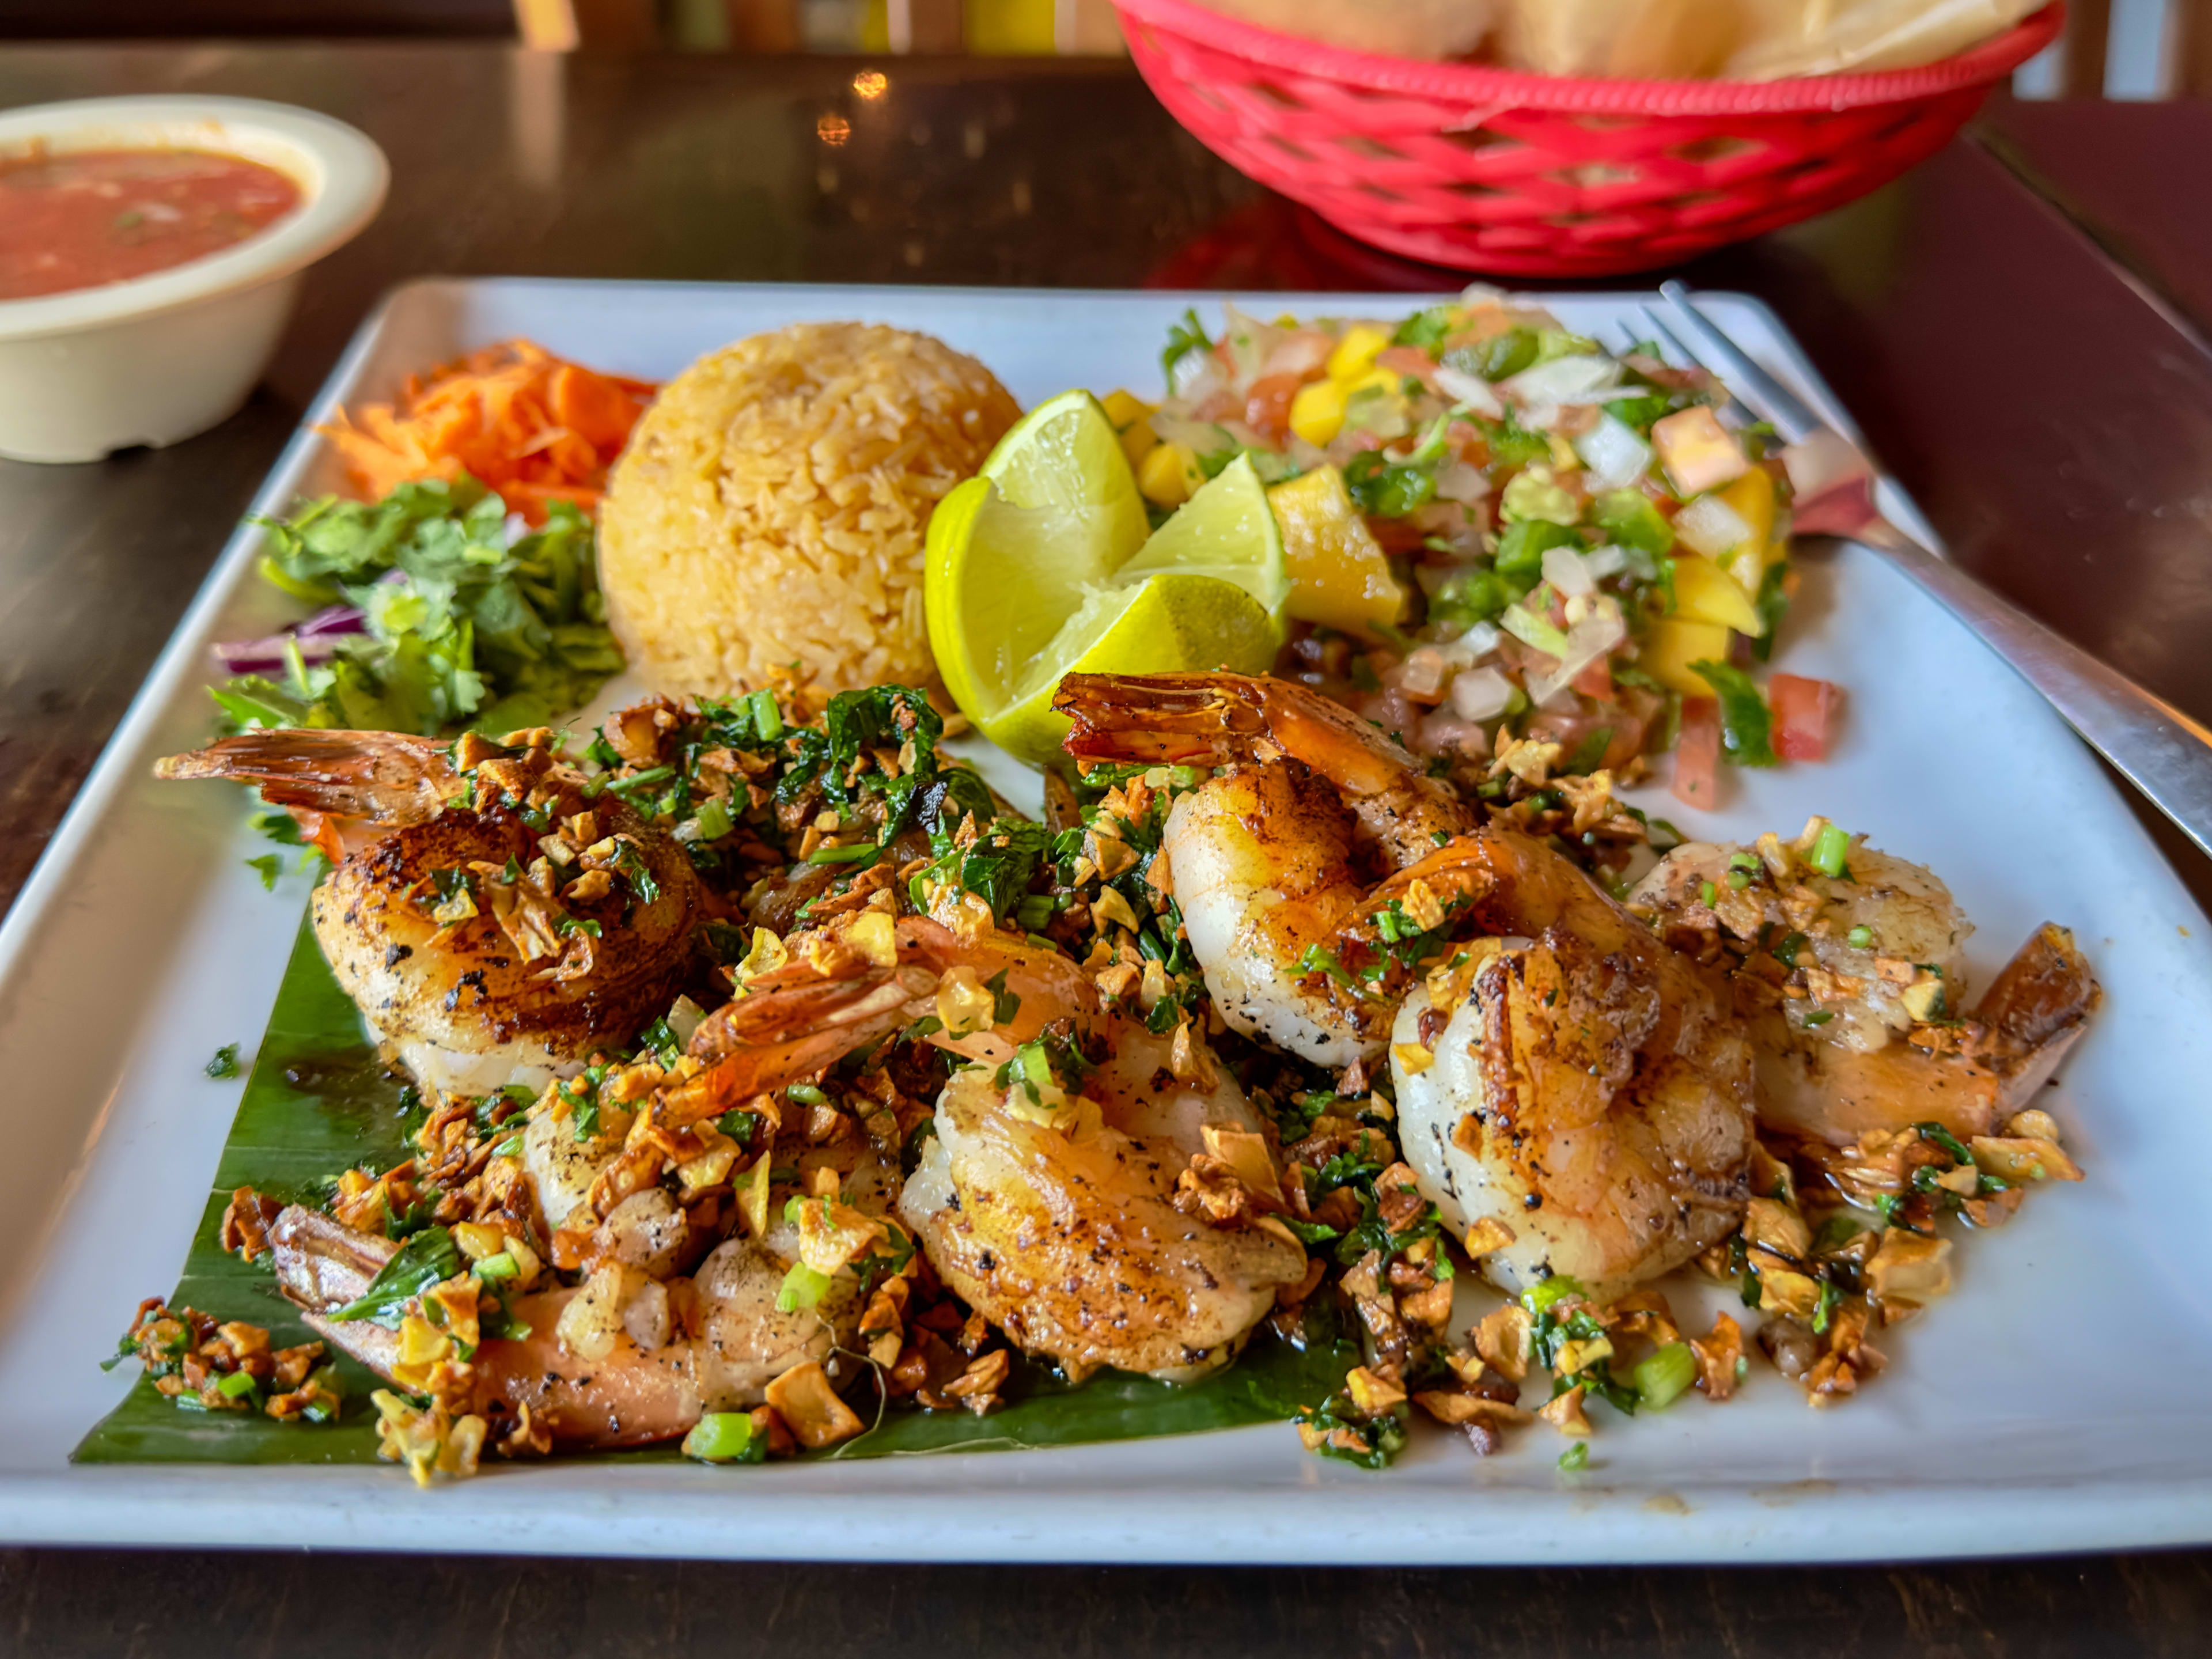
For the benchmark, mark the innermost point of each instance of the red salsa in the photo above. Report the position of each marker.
(89, 217)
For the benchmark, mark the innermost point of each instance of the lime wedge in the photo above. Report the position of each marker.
(1171, 623)
(1040, 568)
(1065, 453)
(1012, 553)
(1226, 530)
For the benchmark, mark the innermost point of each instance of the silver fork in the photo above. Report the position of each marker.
(2157, 748)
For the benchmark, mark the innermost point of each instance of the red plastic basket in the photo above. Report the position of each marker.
(1535, 175)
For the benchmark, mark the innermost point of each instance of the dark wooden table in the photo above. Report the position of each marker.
(2021, 325)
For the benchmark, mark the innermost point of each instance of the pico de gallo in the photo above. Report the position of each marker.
(1495, 526)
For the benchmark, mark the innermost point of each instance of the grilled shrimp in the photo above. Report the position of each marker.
(465, 934)
(1268, 856)
(1065, 1235)
(631, 1397)
(1577, 1084)
(1852, 964)
(1603, 1117)
(653, 1384)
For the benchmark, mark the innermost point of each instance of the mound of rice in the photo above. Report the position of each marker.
(772, 504)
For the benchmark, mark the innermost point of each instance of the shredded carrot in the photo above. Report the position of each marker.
(532, 427)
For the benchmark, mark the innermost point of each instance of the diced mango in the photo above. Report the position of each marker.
(1376, 379)
(1131, 417)
(1123, 408)
(1699, 453)
(1355, 352)
(1753, 497)
(1317, 412)
(1673, 644)
(1563, 458)
(1340, 576)
(1705, 592)
(1170, 475)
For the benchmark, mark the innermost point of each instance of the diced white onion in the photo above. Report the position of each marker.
(1480, 694)
(1565, 570)
(1607, 560)
(1249, 342)
(1422, 674)
(684, 1019)
(1833, 484)
(1459, 481)
(1587, 379)
(1821, 462)
(1479, 641)
(1199, 437)
(1307, 348)
(1592, 637)
(1712, 526)
(1613, 453)
(1472, 390)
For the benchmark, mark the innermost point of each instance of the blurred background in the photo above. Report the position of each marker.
(2118, 49)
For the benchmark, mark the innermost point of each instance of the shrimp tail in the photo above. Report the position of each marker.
(321, 1265)
(392, 779)
(777, 1036)
(794, 1021)
(2035, 1010)
(1216, 719)
(1219, 719)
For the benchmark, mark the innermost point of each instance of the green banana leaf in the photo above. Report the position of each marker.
(319, 1102)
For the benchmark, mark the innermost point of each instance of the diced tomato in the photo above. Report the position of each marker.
(1596, 680)
(1804, 712)
(1408, 359)
(1697, 753)
(1574, 729)
(1267, 405)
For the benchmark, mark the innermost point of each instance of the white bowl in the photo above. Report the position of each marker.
(156, 359)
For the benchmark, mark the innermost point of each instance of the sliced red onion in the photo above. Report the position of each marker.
(263, 655)
(331, 619)
(317, 638)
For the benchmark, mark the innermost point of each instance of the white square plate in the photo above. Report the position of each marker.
(2053, 1402)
